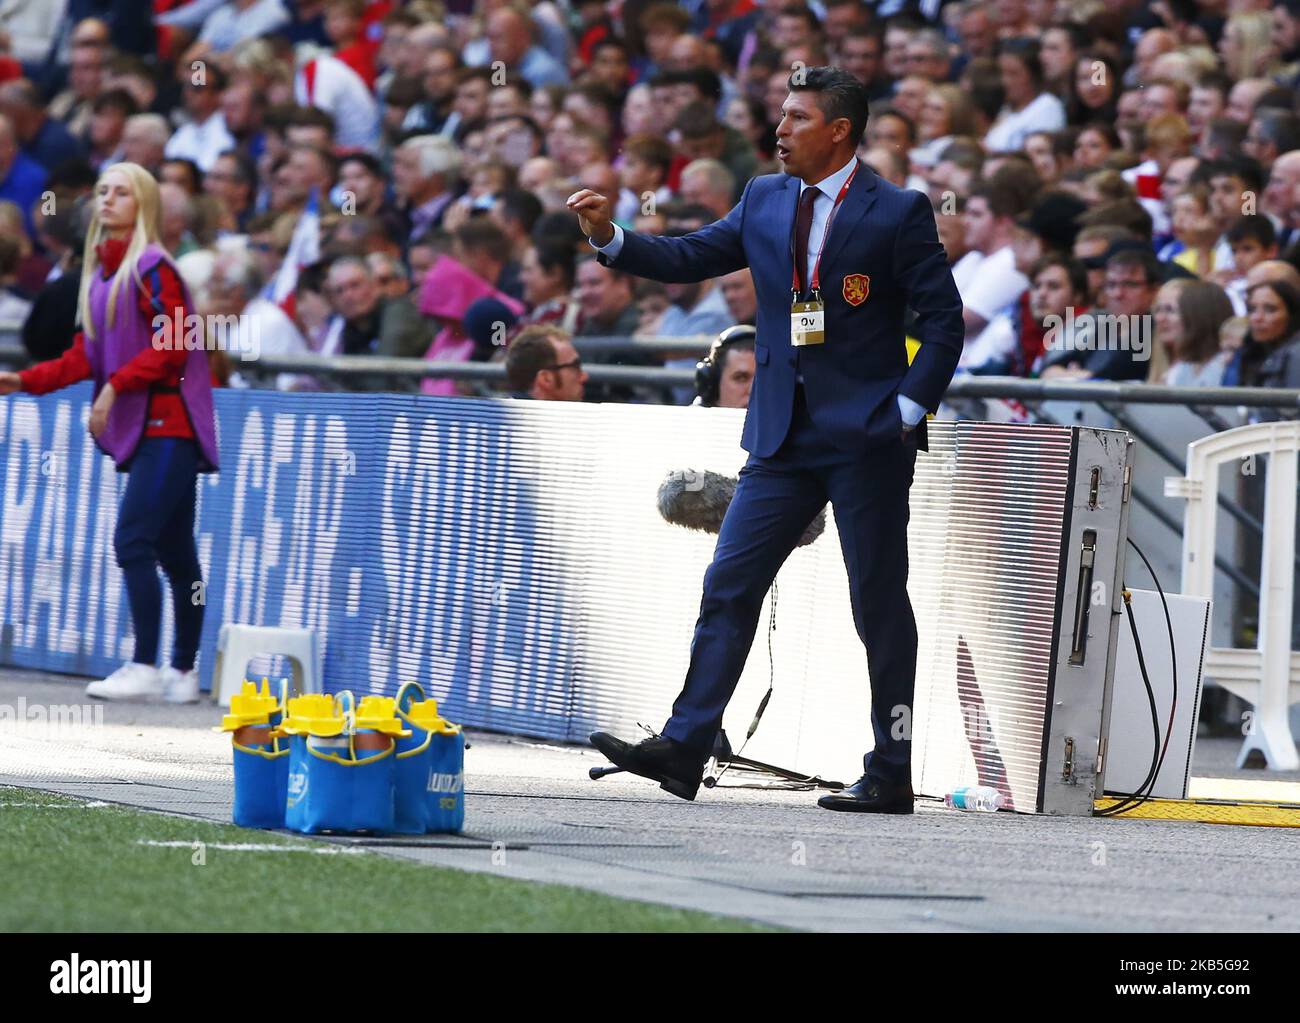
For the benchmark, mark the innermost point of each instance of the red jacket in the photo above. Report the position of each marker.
(152, 368)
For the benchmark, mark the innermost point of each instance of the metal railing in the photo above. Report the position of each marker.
(1102, 393)
(1118, 400)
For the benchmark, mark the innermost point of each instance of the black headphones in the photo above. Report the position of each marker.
(708, 371)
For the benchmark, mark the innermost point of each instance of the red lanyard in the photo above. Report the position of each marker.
(826, 233)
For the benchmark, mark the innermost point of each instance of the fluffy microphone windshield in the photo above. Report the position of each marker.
(699, 500)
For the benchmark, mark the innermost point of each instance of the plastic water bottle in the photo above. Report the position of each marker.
(974, 797)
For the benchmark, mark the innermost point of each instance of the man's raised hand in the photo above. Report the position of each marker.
(593, 213)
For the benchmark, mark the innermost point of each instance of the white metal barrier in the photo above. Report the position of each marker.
(1267, 676)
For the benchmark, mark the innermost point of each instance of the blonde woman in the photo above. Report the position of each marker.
(152, 414)
(1246, 45)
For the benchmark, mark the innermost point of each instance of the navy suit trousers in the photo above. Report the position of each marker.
(775, 500)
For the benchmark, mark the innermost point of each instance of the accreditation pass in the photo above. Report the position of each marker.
(807, 323)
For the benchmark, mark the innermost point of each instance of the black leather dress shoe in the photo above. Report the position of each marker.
(867, 796)
(658, 758)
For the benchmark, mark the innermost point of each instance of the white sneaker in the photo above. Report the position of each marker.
(132, 681)
(180, 686)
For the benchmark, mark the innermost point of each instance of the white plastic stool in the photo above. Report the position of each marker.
(239, 644)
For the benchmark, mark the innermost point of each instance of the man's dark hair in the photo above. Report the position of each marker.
(435, 238)
(765, 56)
(599, 95)
(245, 167)
(552, 258)
(191, 169)
(521, 205)
(1219, 81)
(652, 149)
(521, 85)
(965, 153)
(1126, 213)
(310, 117)
(1225, 133)
(1244, 168)
(612, 43)
(1276, 97)
(909, 21)
(1002, 199)
(1250, 226)
(468, 74)
(873, 32)
(74, 174)
(1074, 270)
(1143, 259)
(1281, 127)
(698, 120)
(327, 159)
(705, 80)
(532, 351)
(367, 160)
(404, 92)
(1017, 173)
(482, 235)
(678, 215)
(559, 227)
(521, 121)
(839, 94)
(1107, 131)
(312, 278)
(116, 99)
(800, 11)
(880, 110)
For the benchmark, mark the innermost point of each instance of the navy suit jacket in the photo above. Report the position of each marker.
(852, 380)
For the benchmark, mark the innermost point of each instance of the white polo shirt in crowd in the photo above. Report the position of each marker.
(1043, 113)
(989, 286)
(202, 143)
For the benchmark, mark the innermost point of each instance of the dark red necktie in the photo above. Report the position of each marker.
(802, 228)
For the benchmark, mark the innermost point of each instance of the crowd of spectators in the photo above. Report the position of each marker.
(1116, 182)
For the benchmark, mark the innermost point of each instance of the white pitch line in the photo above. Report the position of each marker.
(56, 806)
(324, 850)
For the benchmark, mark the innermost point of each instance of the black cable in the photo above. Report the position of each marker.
(1130, 801)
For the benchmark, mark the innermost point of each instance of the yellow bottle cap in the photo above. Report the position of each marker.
(250, 707)
(424, 714)
(313, 714)
(379, 714)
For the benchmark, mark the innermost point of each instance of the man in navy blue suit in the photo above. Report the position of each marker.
(836, 413)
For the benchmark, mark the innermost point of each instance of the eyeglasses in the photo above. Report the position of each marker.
(1124, 285)
(575, 364)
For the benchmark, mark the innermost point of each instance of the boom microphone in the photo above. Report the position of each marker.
(699, 500)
